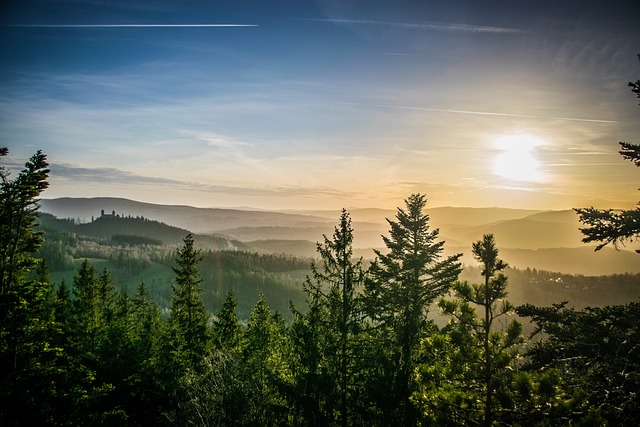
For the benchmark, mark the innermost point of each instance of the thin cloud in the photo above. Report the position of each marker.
(478, 113)
(112, 176)
(433, 26)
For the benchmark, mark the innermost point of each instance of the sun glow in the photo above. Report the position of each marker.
(517, 159)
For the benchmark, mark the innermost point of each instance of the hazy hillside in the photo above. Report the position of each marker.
(196, 220)
(582, 260)
(366, 235)
(107, 228)
(443, 216)
(548, 240)
(242, 272)
(301, 248)
(520, 233)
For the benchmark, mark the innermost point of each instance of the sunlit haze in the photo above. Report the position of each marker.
(325, 104)
(517, 159)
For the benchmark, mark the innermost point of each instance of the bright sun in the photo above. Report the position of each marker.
(517, 159)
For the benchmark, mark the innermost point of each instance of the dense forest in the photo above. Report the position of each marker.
(361, 346)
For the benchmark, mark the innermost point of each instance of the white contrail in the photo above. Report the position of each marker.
(477, 113)
(126, 25)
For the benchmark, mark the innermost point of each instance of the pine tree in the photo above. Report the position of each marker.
(226, 328)
(595, 354)
(402, 286)
(24, 318)
(265, 352)
(610, 226)
(188, 317)
(335, 286)
(147, 328)
(86, 310)
(146, 322)
(312, 383)
(185, 340)
(487, 350)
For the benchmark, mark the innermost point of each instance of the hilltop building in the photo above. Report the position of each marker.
(106, 215)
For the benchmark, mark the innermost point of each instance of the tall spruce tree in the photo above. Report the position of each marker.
(87, 310)
(312, 384)
(265, 351)
(23, 321)
(186, 339)
(188, 317)
(333, 324)
(403, 284)
(481, 353)
(226, 328)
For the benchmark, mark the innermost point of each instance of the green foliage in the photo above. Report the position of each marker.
(327, 338)
(248, 275)
(402, 286)
(265, 352)
(226, 328)
(129, 239)
(25, 302)
(221, 394)
(362, 349)
(19, 204)
(188, 318)
(609, 226)
(480, 354)
(597, 351)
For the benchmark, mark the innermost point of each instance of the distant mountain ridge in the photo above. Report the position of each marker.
(110, 228)
(549, 240)
(196, 220)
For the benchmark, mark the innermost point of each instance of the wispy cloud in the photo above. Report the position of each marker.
(108, 175)
(478, 113)
(430, 26)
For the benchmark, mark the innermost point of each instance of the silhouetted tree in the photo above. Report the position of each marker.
(226, 329)
(188, 317)
(265, 352)
(596, 351)
(327, 336)
(402, 286)
(480, 354)
(24, 310)
(609, 226)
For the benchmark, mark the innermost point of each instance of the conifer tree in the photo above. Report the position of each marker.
(610, 226)
(186, 338)
(265, 352)
(226, 328)
(312, 383)
(188, 317)
(336, 285)
(86, 309)
(24, 318)
(474, 357)
(403, 284)
(146, 322)
(147, 328)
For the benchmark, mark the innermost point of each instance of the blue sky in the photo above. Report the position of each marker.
(324, 104)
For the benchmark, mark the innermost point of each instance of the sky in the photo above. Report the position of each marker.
(325, 104)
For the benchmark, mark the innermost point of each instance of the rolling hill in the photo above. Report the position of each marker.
(196, 220)
(547, 240)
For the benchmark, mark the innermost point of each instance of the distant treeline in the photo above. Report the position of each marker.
(129, 239)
